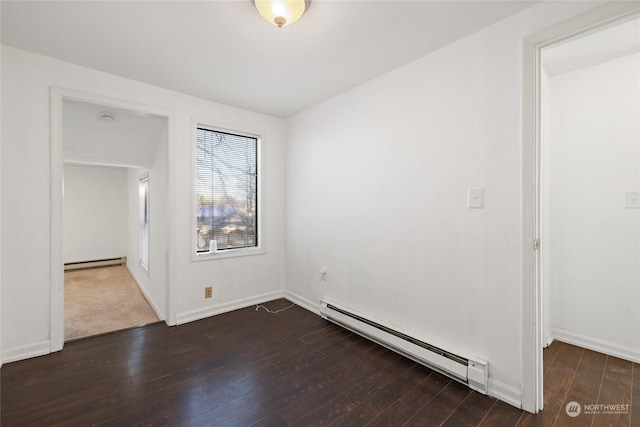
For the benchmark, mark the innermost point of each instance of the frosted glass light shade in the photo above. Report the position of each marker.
(282, 13)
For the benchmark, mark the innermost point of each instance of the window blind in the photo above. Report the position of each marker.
(227, 190)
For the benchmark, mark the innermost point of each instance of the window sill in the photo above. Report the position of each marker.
(228, 253)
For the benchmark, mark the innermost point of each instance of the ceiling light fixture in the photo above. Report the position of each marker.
(106, 117)
(282, 13)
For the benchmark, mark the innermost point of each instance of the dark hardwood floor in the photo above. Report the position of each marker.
(251, 367)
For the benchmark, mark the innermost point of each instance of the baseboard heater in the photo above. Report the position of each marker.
(472, 372)
(96, 263)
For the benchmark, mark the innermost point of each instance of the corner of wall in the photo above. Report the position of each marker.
(303, 302)
(505, 392)
(145, 293)
(202, 313)
(597, 345)
(27, 351)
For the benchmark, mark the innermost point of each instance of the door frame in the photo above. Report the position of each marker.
(532, 332)
(57, 96)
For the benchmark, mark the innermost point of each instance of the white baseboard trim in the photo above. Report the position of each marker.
(601, 346)
(303, 302)
(26, 351)
(548, 339)
(146, 295)
(504, 392)
(202, 313)
(153, 305)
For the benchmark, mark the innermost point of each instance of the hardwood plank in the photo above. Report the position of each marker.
(615, 390)
(384, 398)
(502, 415)
(583, 389)
(549, 355)
(359, 370)
(282, 385)
(67, 396)
(104, 350)
(354, 396)
(474, 408)
(319, 334)
(86, 376)
(441, 406)
(556, 384)
(249, 358)
(219, 402)
(246, 412)
(254, 368)
(338, 406)
(271, 421)
(404, 408)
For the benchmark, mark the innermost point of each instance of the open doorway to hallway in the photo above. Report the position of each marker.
(590, 190)
(589, 218)
(114, 206)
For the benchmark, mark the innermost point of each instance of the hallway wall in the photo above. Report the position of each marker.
(591, 246)
(95, 213)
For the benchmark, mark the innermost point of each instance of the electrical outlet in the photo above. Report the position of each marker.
(208, 292)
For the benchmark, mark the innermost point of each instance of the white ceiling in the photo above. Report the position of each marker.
(594, 48)
(225, 52)
(130, 140)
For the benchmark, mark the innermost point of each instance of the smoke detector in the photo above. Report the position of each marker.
(106, 117)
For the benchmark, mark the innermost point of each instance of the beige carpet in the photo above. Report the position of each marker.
(99, 300)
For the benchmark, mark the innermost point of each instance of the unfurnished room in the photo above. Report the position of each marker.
(319, 212)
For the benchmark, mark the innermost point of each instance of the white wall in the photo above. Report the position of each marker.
(26, 81)
(0, 208)
(152, 282)
(377, 182)
(592, 240)
(95, 213)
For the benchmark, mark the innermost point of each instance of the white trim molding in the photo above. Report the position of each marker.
(237, 129)
(600, 346)
(506, 393)
(56, 337)
(303, 302)
(202, 313)
(26, 351)
(532, 340)
(57, 95)
(146, 295)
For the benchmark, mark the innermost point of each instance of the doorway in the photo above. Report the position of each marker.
(590, 175)
(95, 136)
(595, 20)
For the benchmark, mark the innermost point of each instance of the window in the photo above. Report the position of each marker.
(226, 191)
(143, 213)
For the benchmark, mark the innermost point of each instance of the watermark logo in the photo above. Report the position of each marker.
(573, 409)
(606, 409)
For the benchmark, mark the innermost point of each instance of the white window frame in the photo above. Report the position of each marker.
(227, 253)
(141, 179)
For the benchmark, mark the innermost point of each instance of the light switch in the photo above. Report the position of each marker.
(632, 199)
(475, 198)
